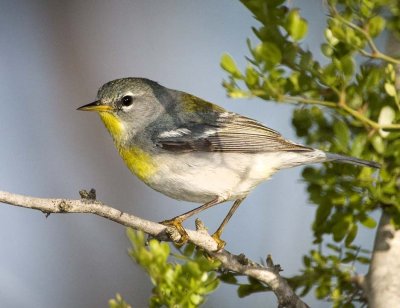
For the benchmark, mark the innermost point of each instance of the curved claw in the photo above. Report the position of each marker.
(217, 238)
(177, 224)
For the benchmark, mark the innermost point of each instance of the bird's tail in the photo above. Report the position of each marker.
(352, 160)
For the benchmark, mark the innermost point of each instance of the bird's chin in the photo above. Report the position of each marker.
(112, 123)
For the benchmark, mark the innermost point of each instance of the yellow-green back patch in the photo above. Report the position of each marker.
(193, 103)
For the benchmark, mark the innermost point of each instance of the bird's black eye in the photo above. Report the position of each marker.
(127, 101)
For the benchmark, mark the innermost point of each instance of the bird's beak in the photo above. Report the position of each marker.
(95, 106)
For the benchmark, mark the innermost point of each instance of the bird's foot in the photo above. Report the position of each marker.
(176, 223)
(217, 238)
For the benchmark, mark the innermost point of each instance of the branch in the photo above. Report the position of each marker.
(236, 263)
(383, 283)
(330, 104)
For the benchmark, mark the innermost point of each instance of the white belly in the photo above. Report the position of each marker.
(200, 177)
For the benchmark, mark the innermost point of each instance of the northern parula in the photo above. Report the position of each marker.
(190, 149)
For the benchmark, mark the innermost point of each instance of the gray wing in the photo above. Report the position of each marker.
(230, 132)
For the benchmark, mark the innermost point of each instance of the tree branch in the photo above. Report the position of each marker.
(383, 282)
(236, 263)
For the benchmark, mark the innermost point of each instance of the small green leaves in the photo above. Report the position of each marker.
(330, 38)
(358, 81)
(295, 25)
(302, 121)
(175, 284)
(118, 302)
(269, 53)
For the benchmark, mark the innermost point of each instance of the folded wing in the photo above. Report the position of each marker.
(230, 132)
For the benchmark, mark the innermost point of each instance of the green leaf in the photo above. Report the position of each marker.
(369, 222)
(363, 260)
(327, 50)
(375, 25)
(229, 65)
(310, 174)
(318, 258)
(386, 116)
(302, 121)
(330, 38)
(322, 291)
(342, 134)
(355, 101)
(322, 214)
(294, 79)
(295, 25)
(347, 66)
(306, 261)
(391, 72)
(118, 302)
(351, 235)
(336, 294)
(350, 257)
(329, 74)
(306, 60)
(337, 31)
(341, 227)
(269, 53)
(358, 145)
(251, 76)
(334, 247)
(378, 144)
(390, 89)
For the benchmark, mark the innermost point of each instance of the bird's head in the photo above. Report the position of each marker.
(128, 105)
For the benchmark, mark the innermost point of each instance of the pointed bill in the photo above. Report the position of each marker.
(95, 106)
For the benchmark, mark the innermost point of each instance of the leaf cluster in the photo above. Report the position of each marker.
(348, 104)
(331, 273)
(182, 283)
(118, 302)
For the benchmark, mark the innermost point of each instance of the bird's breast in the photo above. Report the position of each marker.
(139, 162)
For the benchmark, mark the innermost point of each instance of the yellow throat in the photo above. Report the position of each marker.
(137, 160)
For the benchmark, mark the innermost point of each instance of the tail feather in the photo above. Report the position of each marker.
(352, 160)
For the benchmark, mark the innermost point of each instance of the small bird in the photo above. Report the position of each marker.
(192, 150)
